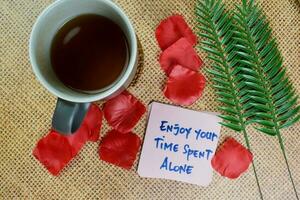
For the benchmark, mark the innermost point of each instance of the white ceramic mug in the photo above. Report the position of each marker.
(72, 105)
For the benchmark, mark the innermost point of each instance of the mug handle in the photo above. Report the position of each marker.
(68, 116)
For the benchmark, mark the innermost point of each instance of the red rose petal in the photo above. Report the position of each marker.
(54, 152)
(171, 29)
(123, 112)
(93, 119)
(78, 139)
(232, 159)
(184, 86)
(180, 53)
(120, 149)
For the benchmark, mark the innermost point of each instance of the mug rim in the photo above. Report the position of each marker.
(93, 96)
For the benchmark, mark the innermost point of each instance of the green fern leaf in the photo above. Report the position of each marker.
(232, 126)
(214, 24)
(268, 131)
(258, 51)
(290, 122)
(216, 28)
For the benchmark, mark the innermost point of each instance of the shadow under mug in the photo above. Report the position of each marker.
(72, 105)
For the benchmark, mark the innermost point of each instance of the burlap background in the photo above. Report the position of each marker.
(26, 109)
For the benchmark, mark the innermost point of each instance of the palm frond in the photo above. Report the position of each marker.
(275, 100)
(216, 27)
(214, 23)
(262, 67)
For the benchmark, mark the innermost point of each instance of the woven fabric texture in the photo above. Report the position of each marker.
(26, 109)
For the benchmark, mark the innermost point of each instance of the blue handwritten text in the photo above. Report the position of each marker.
(175, 129)
(161, 144)
(196, 153)
(169, 166)
(205, 135)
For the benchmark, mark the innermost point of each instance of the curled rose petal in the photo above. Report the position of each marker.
(123, 112)
(180, 53)
(184, 86)
(171, 29)
(93, 120)
(54, 152)
(120, 149)
(232, 159)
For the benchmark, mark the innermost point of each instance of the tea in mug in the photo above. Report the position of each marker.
(89, 53)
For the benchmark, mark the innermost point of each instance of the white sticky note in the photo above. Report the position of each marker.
(179, 144)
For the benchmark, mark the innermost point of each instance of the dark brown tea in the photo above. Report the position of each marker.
(89, 52)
